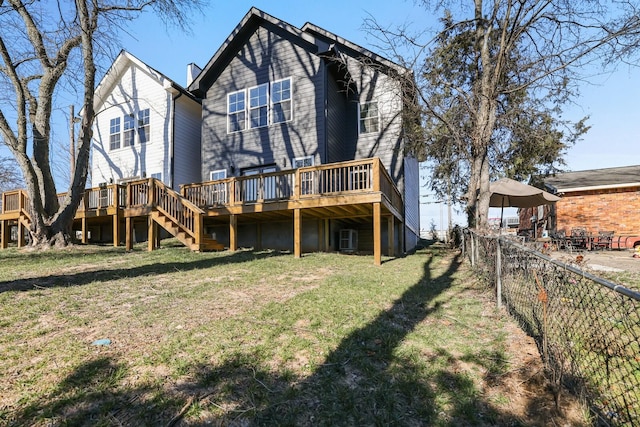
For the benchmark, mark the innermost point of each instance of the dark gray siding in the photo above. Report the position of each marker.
(373, 85)
(336, 121)
(267, 56)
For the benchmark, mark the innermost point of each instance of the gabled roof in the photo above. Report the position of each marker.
(595, 179)
(315, 39)
(120, 66)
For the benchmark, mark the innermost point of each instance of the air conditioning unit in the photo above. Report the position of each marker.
(348, 240)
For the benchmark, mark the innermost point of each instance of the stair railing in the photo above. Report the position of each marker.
(181, 211)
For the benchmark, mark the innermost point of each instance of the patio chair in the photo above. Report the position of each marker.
(559, 239)
(578, 238)
(604, 240)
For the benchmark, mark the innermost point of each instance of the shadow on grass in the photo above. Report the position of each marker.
(91, 276)
(364, 381)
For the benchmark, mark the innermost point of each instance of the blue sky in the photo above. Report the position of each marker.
(611, 101)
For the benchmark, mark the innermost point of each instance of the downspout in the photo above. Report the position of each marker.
(173, 138)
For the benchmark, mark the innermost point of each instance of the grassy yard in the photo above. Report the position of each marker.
(260, 338)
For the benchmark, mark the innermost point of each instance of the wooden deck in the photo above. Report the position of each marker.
(357, 191)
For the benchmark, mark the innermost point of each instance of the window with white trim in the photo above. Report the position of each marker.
(369, 117)
(129, 130)
(157, 176)
(300, 162)
(217, 174)
(259, 106)
(143, 126)
(236, 114)
(307, 178)
(281, 105)
(114, 133)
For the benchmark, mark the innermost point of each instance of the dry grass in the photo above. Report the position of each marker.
(254, 338)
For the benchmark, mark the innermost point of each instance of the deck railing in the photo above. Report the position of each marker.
(266, 187)
(356, 176)
(152, 193)
(14, 201)
(113, 195)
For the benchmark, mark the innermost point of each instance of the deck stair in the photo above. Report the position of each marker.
(179, 217)
(180, 233)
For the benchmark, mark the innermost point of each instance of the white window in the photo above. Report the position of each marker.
(269, 184)
(307, 178)
(249, 186)
(217, 174)
(369, 118)
(236, 114)
(300, 162)
(114, 134)
(143, 126)
(129, 130)
(258, 106)
(281, 105)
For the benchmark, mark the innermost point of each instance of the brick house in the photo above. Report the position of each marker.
(597, 199)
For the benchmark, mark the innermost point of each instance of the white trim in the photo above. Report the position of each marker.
(265, 105)
(140, 124)
(217, 171)
(360, 119)
(290, 100)
(243, 111)
(597, 187)
(111, 133)
(302, 159)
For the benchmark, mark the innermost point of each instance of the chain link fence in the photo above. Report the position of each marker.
(587, 329)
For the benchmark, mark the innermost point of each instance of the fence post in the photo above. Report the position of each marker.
(463, 243)
(473, 252)
(498, 273)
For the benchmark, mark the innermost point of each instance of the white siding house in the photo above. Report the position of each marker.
(146, 125)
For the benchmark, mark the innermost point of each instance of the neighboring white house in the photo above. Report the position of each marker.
(146, 125)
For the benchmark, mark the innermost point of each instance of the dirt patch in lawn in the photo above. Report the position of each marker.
(524, 391)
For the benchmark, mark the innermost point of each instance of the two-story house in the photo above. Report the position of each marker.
(146, 125)
(276, 98)
(289, 138)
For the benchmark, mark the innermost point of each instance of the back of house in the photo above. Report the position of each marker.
(277, 97)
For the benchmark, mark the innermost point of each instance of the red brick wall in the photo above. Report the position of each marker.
(601, 210)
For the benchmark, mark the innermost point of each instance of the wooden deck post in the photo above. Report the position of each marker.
(129, 231)
(84, 238)
(4, 230)
(377, 234)
(233, 232)
(376, 174)
(199, 230)
(297, 233)
(151, 236)
(20, 234)
(391, 236)
(115, 191)
(116, 228)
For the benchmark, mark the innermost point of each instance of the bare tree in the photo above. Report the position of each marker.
(10, 177)
(40, 44)
(493, 80)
